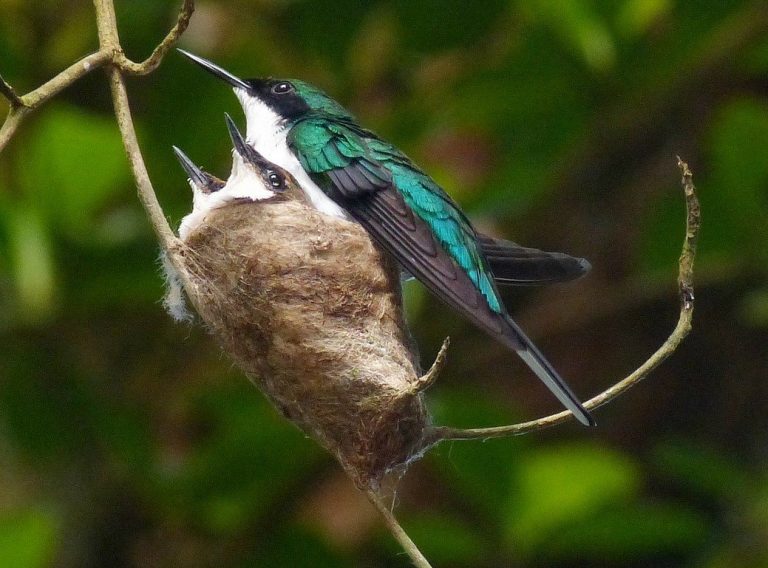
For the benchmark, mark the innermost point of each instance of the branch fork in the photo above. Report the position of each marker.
(110, 53)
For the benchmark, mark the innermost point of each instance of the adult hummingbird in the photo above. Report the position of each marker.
(347, 171)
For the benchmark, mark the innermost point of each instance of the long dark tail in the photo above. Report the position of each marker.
(515, 338)
(407, 237)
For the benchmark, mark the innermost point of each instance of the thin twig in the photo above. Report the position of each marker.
(146, 192)
(397, 531)
(169, 243)
(151, 63)
(11, 124)
(64, 79)
(685, 282)
(428, 379)
(9, 93)
(48, 90)
(109, 40)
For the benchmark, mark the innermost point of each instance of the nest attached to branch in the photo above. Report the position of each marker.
(311, 310)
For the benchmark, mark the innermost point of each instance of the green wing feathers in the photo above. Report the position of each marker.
(357, 162)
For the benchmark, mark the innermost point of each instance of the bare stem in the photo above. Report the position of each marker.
(144, 185)
(7, 91)
(151, 62)
(11, 124)
(46, 91)
(397, 531)
(109, 41)
(685, 282)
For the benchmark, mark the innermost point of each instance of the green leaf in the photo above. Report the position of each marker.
(74, 168)
(31, 264)
(563, 485)
(27, 539)
(636, 532)
(445, 540)
(700, 469)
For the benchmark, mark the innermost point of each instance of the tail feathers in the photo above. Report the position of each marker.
(515, 265)
(529, 353)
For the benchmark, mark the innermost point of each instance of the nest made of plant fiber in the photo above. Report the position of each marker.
(311, 310)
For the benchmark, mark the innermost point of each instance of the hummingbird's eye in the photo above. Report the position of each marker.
(277, 181)
(282, 88)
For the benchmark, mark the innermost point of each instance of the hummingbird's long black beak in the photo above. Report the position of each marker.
(246, 151)
(216, 70)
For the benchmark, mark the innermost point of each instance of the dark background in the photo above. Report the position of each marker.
(129, 440)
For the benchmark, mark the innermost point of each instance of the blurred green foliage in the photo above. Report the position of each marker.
(128, 440)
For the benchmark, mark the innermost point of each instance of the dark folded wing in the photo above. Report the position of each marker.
(409, 239)
(393, 225)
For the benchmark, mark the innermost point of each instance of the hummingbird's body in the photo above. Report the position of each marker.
(347, 171)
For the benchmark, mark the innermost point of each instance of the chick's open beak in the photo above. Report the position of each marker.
(245, 150)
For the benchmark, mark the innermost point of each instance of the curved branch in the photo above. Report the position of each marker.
(110, 52)
(46, 91)
(685, 284)
(153, 61)
(110, 42)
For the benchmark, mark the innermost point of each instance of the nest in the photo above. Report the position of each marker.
(311, 310)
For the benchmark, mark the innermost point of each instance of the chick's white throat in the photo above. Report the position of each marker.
(243, 183)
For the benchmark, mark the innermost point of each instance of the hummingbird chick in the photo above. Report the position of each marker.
(310, 308)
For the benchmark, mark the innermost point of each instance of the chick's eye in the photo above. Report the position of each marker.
(282, 88)
(276, 181)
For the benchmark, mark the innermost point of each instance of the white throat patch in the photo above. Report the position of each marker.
(266, 132)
